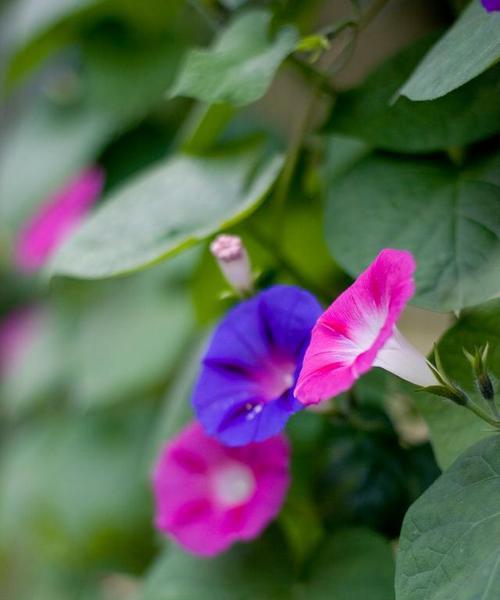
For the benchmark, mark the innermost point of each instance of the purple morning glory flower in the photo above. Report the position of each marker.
(491, 5)
(245, 389)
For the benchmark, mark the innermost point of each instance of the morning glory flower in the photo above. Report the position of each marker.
(358, 331)
(233, 261)
(245, 389)
(57, 218)
(491, 5)
(208, 496)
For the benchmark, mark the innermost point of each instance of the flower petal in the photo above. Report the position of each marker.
(187, 505)
(243, 393)
(347, 337)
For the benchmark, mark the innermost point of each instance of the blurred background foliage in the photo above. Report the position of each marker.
(200, 140)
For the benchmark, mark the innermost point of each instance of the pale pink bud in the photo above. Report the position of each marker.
(233, 261)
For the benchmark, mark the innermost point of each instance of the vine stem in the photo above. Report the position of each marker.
(482, 414)
(321, 83)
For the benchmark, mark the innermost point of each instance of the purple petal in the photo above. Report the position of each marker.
(244, 391)
(491, 5)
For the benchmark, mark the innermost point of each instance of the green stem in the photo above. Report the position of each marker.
(293, 153)
(205, 13)
(494, 409)
(373, 10)
(313, 75)
(482, 414)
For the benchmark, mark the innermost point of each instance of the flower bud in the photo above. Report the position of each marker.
(233, 261)
(478, 362)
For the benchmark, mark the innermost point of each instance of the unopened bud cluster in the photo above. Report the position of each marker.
(448, 389)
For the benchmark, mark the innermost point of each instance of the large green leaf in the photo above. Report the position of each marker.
(53, 141)
(72, 491)
(464, 116)
(51, 144)
(248, 572)
(450, 539)
(466, 50)
(453, 429)
(128, 340)
(34, 30)
(356, 564)
(240, 66)
(451, 224)
(168, 208)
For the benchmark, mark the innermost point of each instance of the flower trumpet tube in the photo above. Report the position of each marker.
(358, 331)
(209, 496)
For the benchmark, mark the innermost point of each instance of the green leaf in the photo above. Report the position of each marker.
(43, 365)
(247, 572)
(203, 126)
(35, 30)
(128, 340)
(72, 494)
(341, 153)
(466, 50)
(53, 141)
(429, 209)
(166, 209)
(356, 564)
(364, 475)
(177, 410)
(449, 542)
(51, 144)
(240, 66)
(453, 428)
(464, 116)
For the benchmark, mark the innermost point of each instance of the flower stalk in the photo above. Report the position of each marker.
(447, 389)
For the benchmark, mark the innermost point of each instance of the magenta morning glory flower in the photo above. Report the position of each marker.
(491, 5)
(209, 496)
(245, 389)
(56, 219)
(17, 331)
(358, 331)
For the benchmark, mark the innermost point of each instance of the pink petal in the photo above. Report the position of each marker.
(347, 337)
(188, 507)
(56, 219)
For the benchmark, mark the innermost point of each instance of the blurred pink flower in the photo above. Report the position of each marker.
(208, 495)
(40, 237)
(491, 5)
(17, 331)
(358, 331)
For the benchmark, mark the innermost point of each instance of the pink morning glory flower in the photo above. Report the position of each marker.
(491, 5)
(17, 331)
(244, 392)
(57, 218)
(358, 331)
(209, 496)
